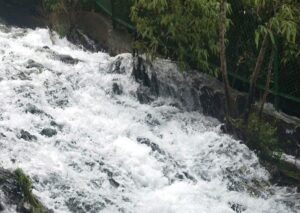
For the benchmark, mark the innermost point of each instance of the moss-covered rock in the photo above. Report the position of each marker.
(16, 193)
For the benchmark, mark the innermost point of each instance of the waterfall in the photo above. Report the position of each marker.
(71, 120)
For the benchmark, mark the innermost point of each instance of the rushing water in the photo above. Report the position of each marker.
(89, 149)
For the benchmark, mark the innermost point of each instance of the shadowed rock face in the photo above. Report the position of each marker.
(196, 91)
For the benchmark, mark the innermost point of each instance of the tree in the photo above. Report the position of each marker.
(223, 61)
(184, 31)
(190, 32)
(278, 22)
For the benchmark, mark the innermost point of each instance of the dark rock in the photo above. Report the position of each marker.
(192, 89)
(238, 208)
(154, 147)
(1, 207)
(184, 175)
(144, 95)
(76, 205)
(48, 132)
(77, 37)
(117, 89)
(152, 121)
(32, 64)
(54, 124)
(12, 194)
(33, 109)
(27, 136)
(67, 59)
(116, 67)
(139, 72)
(2, 135)
(113, 182)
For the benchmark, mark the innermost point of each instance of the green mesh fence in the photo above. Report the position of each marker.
(241, 51)
(119, 10)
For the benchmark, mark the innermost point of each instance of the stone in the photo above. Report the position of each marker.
(27, 136)
(33, 109)
(238, 208)
(67, 59)
(32, 64)
(12, 196)
(144, 95)
(117, 89)
(154, 147)
(54, 124)
(48, 132)
(116, 67)
(79, 38)
(1, 207)
(113, 182)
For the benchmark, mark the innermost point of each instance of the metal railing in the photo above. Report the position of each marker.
(118, 14)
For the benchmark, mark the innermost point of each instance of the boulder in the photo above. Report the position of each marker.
(48, 132)
(16, 195)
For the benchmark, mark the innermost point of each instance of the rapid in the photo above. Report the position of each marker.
(90, 146)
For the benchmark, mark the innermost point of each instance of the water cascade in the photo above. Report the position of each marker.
(74, 125)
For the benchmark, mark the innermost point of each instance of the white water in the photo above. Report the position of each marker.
(95, 162)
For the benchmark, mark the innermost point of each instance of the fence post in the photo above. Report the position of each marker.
(113, 13)
(277, 77)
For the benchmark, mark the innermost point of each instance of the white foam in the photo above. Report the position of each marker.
(95, 162)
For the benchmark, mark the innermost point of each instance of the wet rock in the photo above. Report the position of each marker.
(67, 59)
(2, 135)
(77, 37)
(54, 124)
(77, 206)
(33, 109)
(48, 132)
(1, 207)
(117, 89)
(192, 89)
(152, 121)
(14, 195)
(144, 95)
(61, 57)
(32, 64)
(184, 175)
(116, 67)
(113, 182)
(238, 208)
(27, 136)
(154, 147)
(22, 76)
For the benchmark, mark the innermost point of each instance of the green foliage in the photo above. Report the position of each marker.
(185, 31)
(262, 137)
(25, 185)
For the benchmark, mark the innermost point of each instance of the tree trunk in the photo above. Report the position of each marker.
(267, 86)
(223, 58)
(254, 76)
